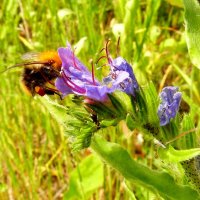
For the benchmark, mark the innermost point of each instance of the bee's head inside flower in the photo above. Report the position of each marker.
(170, 101)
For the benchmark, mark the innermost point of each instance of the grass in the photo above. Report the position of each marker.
(35, 158)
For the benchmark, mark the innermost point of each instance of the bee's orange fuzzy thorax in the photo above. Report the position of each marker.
(51, 56)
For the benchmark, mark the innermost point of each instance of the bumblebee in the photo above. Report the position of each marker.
(40, 71)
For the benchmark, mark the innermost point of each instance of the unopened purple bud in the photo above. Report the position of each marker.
(170, 102)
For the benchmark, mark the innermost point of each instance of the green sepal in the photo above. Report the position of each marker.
(121, 101)
(103, 110)
(119, 109)
(79, 113)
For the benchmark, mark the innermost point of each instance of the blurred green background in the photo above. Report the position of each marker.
(35, 158)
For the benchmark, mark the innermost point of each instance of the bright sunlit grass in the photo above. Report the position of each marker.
(35, 158)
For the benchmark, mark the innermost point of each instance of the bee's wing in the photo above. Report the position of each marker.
(30, 56)
(30, 59)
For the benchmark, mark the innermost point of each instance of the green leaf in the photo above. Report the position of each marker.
(85, 179)
(159, 182)
(192, 23)
(172, 155)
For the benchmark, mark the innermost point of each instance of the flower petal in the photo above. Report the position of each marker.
(61, 86)
(98, 93)
(69, 59)
(122, 76)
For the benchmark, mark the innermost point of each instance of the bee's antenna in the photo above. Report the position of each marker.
(14, 66)
(93, 79)
(21, 65)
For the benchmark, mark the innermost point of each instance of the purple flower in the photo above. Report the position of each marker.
(121, 76)
(170, 101)
(77, 79)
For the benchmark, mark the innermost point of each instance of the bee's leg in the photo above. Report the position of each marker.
(61, 97)
(51, 91)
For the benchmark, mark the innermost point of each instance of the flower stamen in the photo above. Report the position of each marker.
(100, 59)
(76, 87)
(93, 79)
(107, 52)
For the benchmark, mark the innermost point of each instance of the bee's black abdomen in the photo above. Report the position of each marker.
(39, 77)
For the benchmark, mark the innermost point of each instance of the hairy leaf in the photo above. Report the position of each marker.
(173, 155)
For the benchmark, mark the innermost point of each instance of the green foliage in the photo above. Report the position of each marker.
(159, 182)
(192, 19)
(35, 160)
(81, 127)
(172, 155)
(178, 3)
(192, 172)
(85, 180)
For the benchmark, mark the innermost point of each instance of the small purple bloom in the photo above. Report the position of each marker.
(121, 76)
(170, 101)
